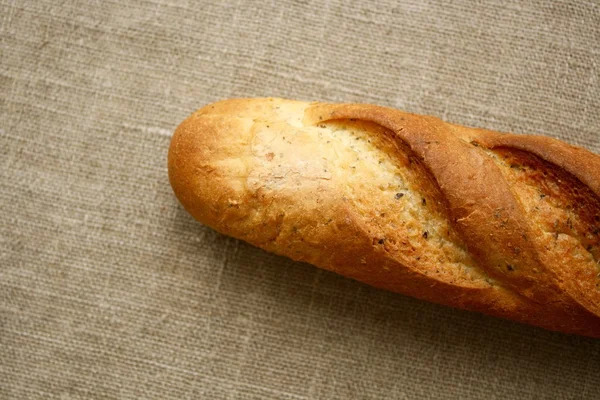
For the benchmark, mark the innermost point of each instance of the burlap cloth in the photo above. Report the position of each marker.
(108, 289)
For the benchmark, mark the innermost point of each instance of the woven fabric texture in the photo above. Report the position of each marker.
(110, 290)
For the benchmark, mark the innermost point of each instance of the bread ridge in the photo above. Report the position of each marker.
(496, 259)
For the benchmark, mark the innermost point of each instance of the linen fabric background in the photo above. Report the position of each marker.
(110, 290)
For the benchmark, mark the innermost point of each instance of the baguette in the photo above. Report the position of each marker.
(502, 224)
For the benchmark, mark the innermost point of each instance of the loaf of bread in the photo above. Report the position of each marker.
(503, 224)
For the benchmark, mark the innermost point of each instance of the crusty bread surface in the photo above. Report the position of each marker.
(503, 224)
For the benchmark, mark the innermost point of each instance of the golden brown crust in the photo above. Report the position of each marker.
(466, 227)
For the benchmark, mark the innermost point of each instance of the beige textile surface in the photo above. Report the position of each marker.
(108, 289)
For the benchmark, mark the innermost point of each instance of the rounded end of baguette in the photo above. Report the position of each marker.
(211, 160)
(199, 171)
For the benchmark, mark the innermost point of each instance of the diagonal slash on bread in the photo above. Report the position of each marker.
(503, 224)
